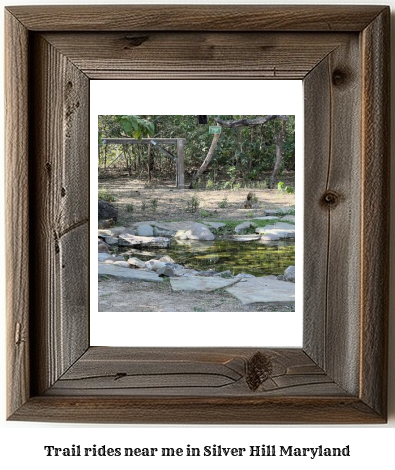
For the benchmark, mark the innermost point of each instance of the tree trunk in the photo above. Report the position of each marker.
(207, 160)
(279, 155)
(149, 166)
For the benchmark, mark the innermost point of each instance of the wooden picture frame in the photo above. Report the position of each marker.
(340, 373)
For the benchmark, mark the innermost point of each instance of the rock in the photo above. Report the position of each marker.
(243, 275)
(112, 259)
(122, 264)
(167, 259)
(130, 275)
(104, 256)
(129, 231)
(270, 237)
(136, 263)
(160, 232)
(184, 272)
(174, 227)
(206, 273)
(199, 232)
(111, 241)
(278, 211)
(126, 239)
(289, 274)
(263, 289)
(267, 217)
(284, 226)
(103, 248)
(154, 264)
(215, 225)
(245, 238)
(167, 271)
(105, 223)
(145, 230)
(107, 211)
(225, 274)
(116, 231)
(104, 233)
(280, 229)
(242, 228)
(195, 283)
(181, 235)
(288, 218)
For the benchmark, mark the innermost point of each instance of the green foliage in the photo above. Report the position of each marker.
(289, 211)
(280, 185)
(254, 199)
(104, 195)
(204, 213)
(224, 203)
(135, 126)
(129, 207)
(210, 184)
(154, 204)
(193, 204)
(242, 153)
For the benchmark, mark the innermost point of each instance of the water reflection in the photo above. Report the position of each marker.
(250, 257)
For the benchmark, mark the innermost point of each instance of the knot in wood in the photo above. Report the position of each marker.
(339, 77)
(330, 199)
(259, 369)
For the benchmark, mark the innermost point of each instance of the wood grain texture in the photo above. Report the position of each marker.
(196, 17)
(60, 191)
(333, 157)
(191, 372)
(339, 376)
(375, 211)
(196, 55)
(198, 410)
(17, 213)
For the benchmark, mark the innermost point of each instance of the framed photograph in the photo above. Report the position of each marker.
(339, 375)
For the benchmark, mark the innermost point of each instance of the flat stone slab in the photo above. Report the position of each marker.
(280, 229)
(245, 238)
(290, 218)
(174, 226)
(197, 283)
(278, 211)
(263, 290)
(127, 274)
(128, 240)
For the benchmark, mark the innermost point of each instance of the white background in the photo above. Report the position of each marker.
(284, 97)
(21, 444)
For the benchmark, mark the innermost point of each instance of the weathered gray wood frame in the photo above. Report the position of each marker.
(342, 54)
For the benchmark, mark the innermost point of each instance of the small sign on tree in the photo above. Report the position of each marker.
(214, 130)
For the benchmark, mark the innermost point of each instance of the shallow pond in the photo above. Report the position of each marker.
(249, 257)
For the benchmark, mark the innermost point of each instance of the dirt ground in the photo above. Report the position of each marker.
(134, 201)
(119, 296)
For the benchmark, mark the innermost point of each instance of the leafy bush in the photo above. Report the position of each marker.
(193, 204)
(104, 195)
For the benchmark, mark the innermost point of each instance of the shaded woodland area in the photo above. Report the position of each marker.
(249, 151)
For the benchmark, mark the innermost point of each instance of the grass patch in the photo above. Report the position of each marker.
(104, 195)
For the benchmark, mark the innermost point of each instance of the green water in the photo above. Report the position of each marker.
(238, 257)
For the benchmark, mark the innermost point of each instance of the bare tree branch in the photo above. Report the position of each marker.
(250, 122)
